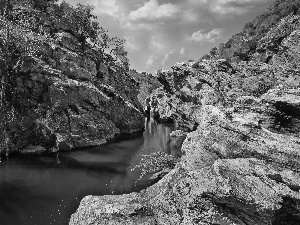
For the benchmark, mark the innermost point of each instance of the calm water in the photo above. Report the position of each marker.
(47, 189)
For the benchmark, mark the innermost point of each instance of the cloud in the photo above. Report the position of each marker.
(153, 12)
(175, 56)
(201, 36)
(107, 7)
(154, 62)
(226, 7)
(154, 29)
(131, 43)
(157, 43)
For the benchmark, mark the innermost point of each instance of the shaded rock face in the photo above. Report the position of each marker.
(185, 89)
(75, 99)
(241, 149)
(147, 83)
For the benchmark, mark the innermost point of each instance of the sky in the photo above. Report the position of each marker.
(159, 33)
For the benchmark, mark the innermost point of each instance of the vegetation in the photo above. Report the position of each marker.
(243, 44)
(155, 162)
(27, 28)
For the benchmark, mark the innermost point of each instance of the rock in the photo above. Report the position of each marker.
(32, 149)
(147, 83)
(113, 210)
(229, 174)
(288, 100)
(177, 139)
(287, 109)
(75, 97)
(238, 119)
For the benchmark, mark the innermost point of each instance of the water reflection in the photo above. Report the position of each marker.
(158, 135)
(47, 189)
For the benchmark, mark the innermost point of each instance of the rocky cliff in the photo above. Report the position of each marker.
(240, 162)
(82, 102)
(72, 95)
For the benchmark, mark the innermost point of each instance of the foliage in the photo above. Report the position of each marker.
(18, 42)
(27, 28)
(243, 44)
(82, 24)
(155, 162)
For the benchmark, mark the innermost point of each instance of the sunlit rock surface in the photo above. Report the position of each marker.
(241, 150)
(231, 173)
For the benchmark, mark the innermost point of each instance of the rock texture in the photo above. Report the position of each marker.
(241, 156)
(232, 172)
(74, 99)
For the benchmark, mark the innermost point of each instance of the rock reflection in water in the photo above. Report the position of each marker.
(47, 189)
(157, 138)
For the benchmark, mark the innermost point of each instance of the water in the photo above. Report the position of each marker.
(47, 189)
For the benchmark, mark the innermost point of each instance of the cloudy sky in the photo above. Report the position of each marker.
(162, 32)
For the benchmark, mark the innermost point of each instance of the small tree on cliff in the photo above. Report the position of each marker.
(84, 26)
(17, 43)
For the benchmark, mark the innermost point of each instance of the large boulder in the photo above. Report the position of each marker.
(230, 173)
(73, 99)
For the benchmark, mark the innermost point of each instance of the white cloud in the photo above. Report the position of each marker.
(105, 7)
(154, 62)
(157, 43)
(184, 51)
(153, 12)
(202, 36)
(225, 7)
(153, 28)
(131, 43)
(175, 56)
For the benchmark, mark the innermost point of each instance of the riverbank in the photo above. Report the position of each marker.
(47, 188)
(240, 109)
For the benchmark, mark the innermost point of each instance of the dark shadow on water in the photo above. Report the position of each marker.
(46, 189)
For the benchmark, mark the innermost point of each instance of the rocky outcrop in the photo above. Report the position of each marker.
(243, 45)
(232, 172)
(147, 83)
(241, 149)
(185, 88)
(72, 99)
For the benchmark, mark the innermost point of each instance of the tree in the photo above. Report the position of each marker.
(83, 25)
(17, 43)
(121, 57)
(27, 27)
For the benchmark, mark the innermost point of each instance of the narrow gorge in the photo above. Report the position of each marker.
(220, 143)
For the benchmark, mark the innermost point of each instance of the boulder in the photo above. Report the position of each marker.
(230, 173)
(75, 97)
(239, 119)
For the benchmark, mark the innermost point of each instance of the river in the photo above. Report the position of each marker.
(46, 189)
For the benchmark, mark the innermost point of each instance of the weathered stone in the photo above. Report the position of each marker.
(113, 210)
(230, 174)
(241, 157)
(66, 94)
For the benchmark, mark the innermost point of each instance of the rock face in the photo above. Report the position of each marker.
(251, 41)
(241, 156)
(232, 172)
(74, 98)
(147, 82)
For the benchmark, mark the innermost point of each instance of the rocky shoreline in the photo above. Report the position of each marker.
(72, 97)
(241, 153)
(233, 171)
